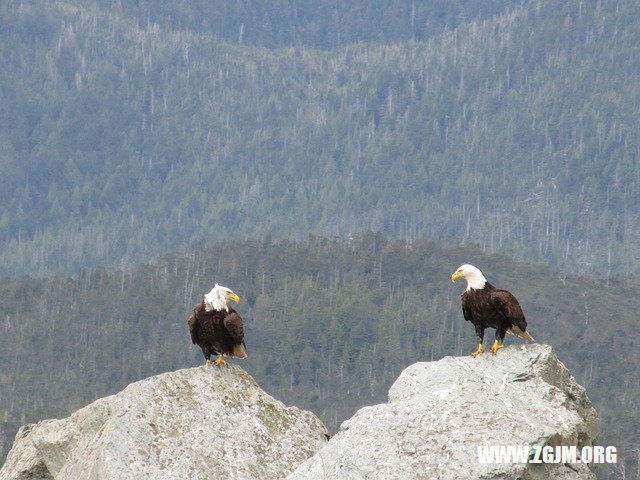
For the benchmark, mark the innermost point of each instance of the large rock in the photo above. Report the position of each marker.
(440, 412)
(199, 423)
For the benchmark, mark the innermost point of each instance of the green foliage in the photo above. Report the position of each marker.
(132, 129)
(330, 324)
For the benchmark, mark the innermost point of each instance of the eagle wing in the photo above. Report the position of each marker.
(507, 305)
(466, 311)
(233, 323)
(193, 323)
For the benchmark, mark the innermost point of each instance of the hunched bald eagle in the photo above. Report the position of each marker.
(489, 307)
(217, 328)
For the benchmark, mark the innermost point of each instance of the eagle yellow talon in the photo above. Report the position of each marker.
(220, 360)
(495, 347)
(208, 362)
(479, 351)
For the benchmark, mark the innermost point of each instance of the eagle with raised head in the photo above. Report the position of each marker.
(489, 307)
(216, 328)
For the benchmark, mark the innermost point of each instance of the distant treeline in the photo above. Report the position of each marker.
(330, 324)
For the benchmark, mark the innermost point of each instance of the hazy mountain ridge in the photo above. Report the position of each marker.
(517, 133)
(322, 24)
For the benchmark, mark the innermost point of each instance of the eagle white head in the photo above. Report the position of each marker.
(474, 277)
(218, 297)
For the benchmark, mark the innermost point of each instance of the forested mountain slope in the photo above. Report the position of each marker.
(329, 325)
(121, 139)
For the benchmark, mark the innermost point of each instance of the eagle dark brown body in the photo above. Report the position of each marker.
(217, 332)
(490, 307)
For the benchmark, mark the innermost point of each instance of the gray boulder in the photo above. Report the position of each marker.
(200, 423)
(440, 412)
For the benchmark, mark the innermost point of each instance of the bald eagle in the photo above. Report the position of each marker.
(489, 307)
(217, 328)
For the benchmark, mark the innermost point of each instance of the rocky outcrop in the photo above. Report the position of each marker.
(440, 412)
(211, 422)
(199, 423)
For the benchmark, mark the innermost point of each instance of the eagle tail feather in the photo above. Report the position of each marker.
(514, 330)
(239, 352)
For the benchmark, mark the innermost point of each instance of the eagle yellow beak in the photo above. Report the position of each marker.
(455, 276)
(234, 297)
